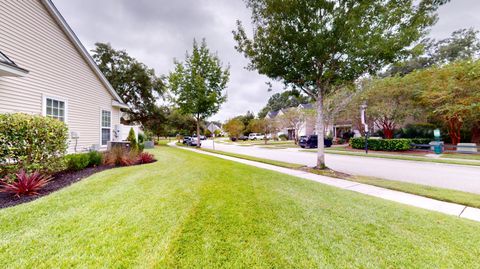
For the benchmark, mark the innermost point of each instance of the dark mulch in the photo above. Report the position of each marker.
(60, 181)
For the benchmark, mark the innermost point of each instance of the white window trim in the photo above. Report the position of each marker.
(101, 126)
(61, 99)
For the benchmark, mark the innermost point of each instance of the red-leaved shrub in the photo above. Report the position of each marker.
(145, 157)
(25, 184)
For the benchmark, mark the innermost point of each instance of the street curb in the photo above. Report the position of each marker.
(386, 194)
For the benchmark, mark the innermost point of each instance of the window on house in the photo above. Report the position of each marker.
(55, 109)
(106, 126)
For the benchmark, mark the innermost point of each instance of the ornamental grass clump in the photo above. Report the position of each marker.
(119, 156)
(145, 157)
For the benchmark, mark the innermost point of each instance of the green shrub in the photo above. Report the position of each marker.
(400, 144)
(31, 142)
(95, 158)
(78, 161)
(141, 138)
(421, 140)
(283, 137)
(133, 140)
(141, 147)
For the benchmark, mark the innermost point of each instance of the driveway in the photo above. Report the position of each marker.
(456, 177)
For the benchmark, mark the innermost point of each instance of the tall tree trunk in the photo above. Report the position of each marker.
(454, 127)
(476, 133)
(198, 133)
(320, 131)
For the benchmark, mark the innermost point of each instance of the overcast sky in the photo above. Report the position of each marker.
(157, 31)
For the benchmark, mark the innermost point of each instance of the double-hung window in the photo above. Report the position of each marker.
(106, 126)
(55, 108)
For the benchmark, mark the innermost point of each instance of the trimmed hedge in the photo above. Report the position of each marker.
(95, 157)
(400, 144)
(78, 161)
(31, 142)
(421, 140)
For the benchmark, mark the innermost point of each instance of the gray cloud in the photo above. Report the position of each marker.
(157, 31)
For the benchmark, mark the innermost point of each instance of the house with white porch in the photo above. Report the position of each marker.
(45, 70)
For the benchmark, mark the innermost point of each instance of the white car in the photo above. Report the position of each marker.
(255, 136)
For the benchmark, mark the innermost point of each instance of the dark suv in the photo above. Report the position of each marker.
(311, 141)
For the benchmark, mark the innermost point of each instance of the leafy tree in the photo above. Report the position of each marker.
(293, 118)
(158, 122)
(316, 45)
(246, 119)
(338, 104)
(462, 45)
(234, 127)
(179, 123)
(450, 92)
(135, 83)
(265, 126)
(390, 102)
(286, 99)
(198, 84)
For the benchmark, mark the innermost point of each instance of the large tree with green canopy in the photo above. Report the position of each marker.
(198, 84)
(316, 45)
(136, 84)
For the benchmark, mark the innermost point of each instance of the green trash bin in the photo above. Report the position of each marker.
(437, 147)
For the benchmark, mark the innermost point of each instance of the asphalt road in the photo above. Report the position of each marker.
(457, 177)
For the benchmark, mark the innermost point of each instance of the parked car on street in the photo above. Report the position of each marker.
(186, 139)
(255, 136)
(193, 142)
(243, 138)
(311, 141)
(202, 137)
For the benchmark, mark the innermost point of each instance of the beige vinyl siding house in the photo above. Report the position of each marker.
(62, 80)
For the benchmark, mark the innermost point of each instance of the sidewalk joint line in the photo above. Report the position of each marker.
(463, 210)
(354, 185)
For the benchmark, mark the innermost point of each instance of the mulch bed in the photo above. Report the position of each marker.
(60, 181)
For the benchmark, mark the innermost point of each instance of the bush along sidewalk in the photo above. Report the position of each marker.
(399, 144)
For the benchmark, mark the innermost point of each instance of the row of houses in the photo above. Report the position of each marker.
(308, 126)
(45, 70)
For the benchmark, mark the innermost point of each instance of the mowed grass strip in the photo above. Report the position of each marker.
(194, 211)
(255, 159)
(447, 195)
(372, 154)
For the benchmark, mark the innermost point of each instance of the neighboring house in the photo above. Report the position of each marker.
(62, 81)
(338, 129)
(213, 127)
(307, 128)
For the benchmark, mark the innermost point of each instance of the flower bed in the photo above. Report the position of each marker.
(79, 166)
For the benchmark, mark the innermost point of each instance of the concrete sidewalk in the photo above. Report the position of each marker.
(396, 196)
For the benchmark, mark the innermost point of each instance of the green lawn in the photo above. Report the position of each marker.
(461, 156)
(251, 158)
(372, 154)
(193, 211)
(459, 197)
